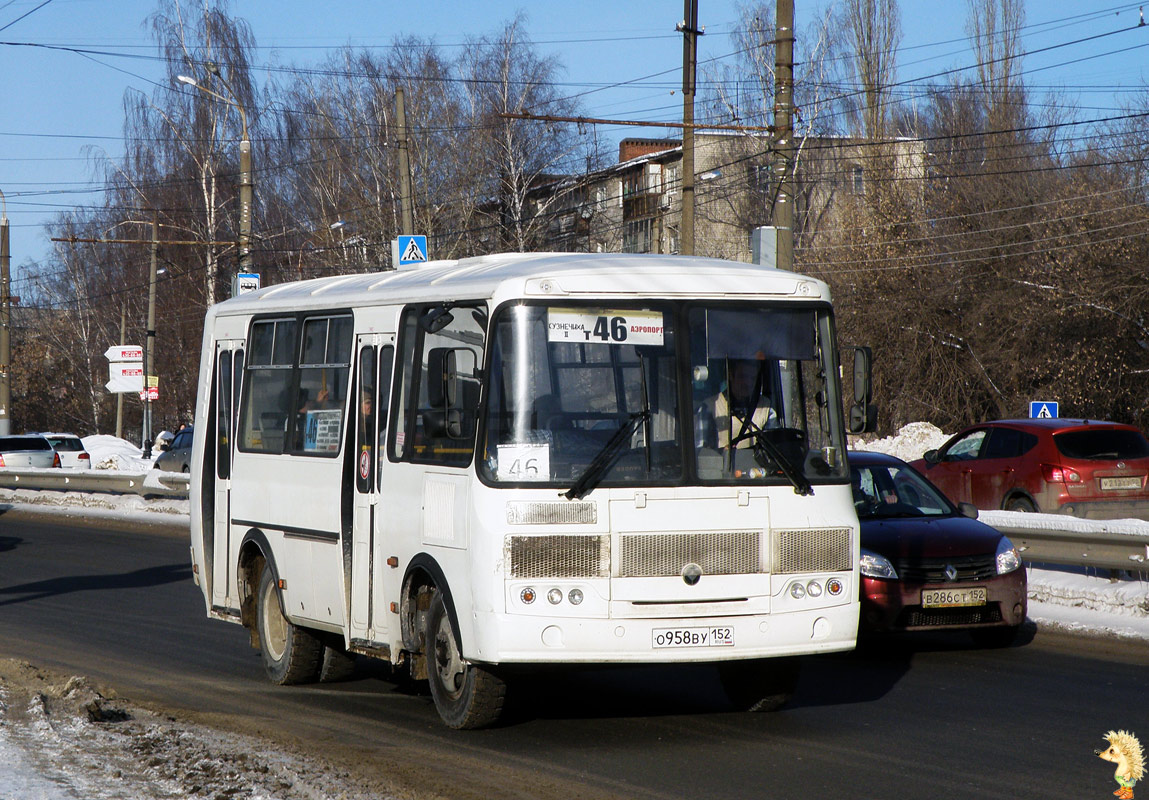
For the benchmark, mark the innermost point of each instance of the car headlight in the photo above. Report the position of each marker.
(875, 566)
(1008, 559)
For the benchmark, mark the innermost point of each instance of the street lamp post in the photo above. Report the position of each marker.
(246, 190)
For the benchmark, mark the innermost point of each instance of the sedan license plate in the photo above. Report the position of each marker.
(953, 598)
(1109, 484)
(693, 637)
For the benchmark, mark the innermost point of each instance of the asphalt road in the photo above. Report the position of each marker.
(930, 716)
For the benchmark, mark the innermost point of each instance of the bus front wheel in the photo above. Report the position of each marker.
(291, 654)
(466, 695)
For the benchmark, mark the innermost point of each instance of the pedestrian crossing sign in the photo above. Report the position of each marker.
(412, 250)
(1043, 409)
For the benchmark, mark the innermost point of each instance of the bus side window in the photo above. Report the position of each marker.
(383, 400)
(266, 389)
(438, 399)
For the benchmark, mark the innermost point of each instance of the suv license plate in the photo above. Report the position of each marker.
(693, 637)
(1109, 484)
(953, 598)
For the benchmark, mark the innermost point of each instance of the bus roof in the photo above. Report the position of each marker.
(543, 275)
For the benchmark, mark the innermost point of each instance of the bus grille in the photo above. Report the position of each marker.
(558, 556)
(646, 555)
(812, 550)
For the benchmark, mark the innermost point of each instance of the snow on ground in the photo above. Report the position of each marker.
(63, 739)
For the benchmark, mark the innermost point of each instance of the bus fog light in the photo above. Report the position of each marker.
(814, 589)
(527, 595)
(834, 587)
(555, 596)
(575, 596)
(797, 591)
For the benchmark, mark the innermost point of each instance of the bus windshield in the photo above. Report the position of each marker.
(663, 393)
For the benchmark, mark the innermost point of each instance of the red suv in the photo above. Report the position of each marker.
(1086, 468)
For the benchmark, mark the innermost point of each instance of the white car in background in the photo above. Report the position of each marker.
(29, 450)
(71, 450)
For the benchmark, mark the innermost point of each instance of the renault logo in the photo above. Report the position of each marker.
(951, 572)
(691, 574)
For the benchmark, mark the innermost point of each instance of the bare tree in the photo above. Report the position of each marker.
(873, 31)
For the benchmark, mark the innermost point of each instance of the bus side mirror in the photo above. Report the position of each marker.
(863, 413)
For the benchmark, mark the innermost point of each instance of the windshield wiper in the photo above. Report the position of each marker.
(605, 458)
(764, 450)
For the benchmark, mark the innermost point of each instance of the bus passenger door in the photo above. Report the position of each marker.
(375, 354)
(226, 386)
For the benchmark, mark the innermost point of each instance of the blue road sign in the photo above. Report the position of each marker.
(1043, 409)
(412, 250)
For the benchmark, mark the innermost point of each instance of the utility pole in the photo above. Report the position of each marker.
(5, 323)
(783, 216)
(120, 395)
(690, 33)
(150, 338)
(406, 204)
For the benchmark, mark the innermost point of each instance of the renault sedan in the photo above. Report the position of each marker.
(927, 564)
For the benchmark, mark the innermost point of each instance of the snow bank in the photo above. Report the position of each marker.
(909, 443)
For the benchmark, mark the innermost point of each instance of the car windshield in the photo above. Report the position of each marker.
(895, 490)
(1110, 443)
(580, 396)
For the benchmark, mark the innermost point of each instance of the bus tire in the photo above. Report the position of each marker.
(466, 695)
(337, 665)
(291, 654)
(762, 684)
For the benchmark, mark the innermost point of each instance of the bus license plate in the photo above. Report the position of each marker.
(953, 598)
(1109, 484)
(693, 637)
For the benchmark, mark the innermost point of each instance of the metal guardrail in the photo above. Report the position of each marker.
(152, 483)
(1041, 538)
(1057, 539)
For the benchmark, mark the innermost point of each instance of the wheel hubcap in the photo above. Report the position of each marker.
(448, 662)
(274, 625)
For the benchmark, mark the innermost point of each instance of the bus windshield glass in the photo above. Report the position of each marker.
(581, 396)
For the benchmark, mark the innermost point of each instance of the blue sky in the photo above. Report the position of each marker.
(55, 105)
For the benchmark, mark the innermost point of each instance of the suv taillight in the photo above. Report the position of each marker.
(1052, 473)
(84, 457)
(1, 461)
(56, 460)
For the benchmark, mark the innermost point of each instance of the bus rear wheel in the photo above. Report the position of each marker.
(466, 695)
(291, 654)
(762, 684)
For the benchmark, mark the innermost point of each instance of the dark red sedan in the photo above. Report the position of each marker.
(1087, 468)
(927, 564)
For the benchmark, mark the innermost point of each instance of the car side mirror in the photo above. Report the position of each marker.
(931, 457)
(165, 445)
(968, 510)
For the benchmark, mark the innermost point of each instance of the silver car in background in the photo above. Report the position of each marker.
(71, 450)
(27, 451)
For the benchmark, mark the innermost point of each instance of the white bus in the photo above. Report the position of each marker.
(477, 466)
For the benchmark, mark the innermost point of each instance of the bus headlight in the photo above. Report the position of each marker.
(797, 591)
(575, 596)
(555, 596)
(814, 589)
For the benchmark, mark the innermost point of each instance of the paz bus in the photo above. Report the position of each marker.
(473, 468)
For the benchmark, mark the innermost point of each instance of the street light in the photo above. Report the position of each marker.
(245, 186)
